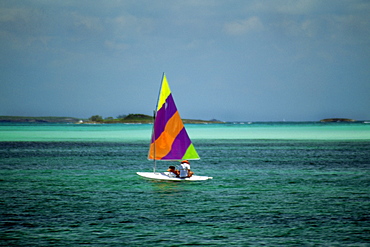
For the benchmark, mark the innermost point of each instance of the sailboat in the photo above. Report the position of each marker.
(170, 141)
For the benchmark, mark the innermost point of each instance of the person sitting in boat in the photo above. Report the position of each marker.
(173, 172)
(184, 169)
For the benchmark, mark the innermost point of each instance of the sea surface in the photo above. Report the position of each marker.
(274, 184)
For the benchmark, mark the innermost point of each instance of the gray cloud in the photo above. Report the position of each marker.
(238, 60)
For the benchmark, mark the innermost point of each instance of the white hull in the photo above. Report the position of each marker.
(165, 176)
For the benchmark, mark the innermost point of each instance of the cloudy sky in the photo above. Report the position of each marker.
(233, 60)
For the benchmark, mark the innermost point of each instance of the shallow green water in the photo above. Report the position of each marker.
(271, 192)
(142, 132)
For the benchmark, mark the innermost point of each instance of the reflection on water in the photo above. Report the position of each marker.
(170, 188)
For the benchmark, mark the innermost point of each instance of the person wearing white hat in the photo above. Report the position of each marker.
(184, 169)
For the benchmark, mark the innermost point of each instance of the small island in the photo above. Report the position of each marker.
(331, 120)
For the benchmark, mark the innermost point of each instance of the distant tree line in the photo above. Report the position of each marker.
(96, 118)
(139, 118)
(122, 118)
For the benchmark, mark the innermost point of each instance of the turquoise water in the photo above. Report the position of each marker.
(275, 184)
(142, 132)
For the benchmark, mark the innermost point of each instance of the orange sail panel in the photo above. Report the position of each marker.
(170, 141)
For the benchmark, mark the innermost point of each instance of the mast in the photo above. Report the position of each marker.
(153, 134)
(154, 117)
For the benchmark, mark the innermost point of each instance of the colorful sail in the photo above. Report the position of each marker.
(170, 141)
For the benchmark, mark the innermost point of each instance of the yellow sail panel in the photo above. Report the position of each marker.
(164, 93)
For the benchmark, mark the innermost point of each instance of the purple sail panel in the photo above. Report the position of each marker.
(170, 108)
(163, 115)
(179, 146)
(159, 125)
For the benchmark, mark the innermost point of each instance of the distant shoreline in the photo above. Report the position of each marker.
(19, 119)
(136, 118)
(132, 118)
